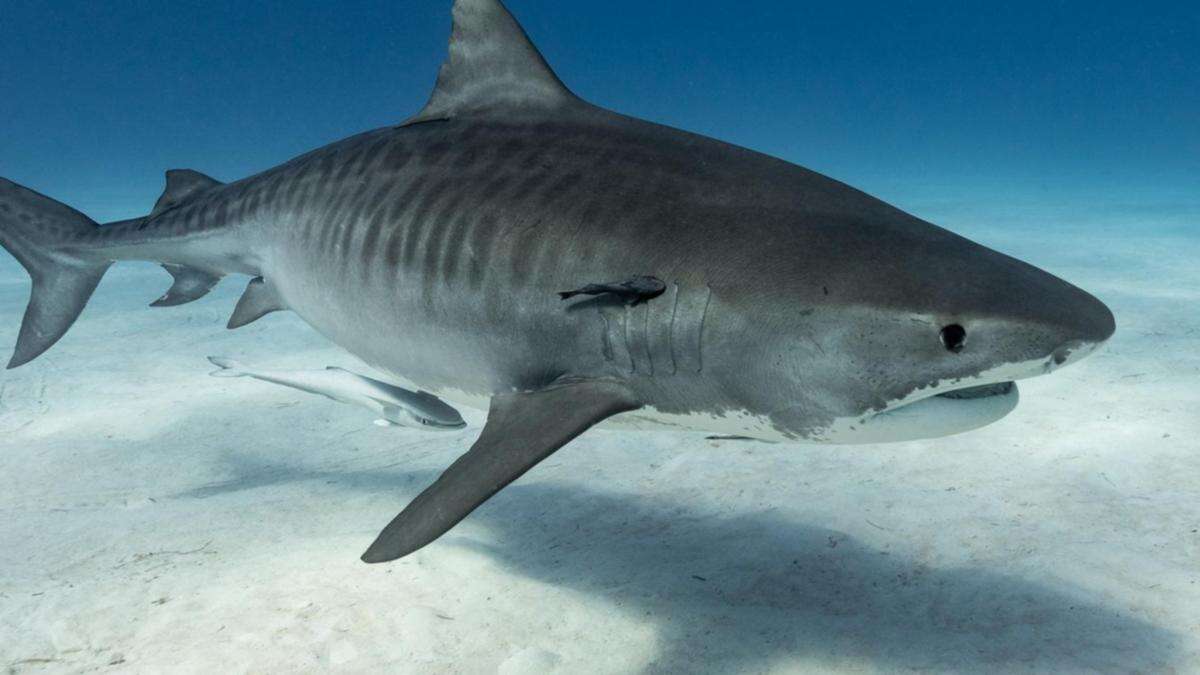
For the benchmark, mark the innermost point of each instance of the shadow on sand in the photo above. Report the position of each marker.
(745, 593)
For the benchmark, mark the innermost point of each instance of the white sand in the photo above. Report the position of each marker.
(160, 520)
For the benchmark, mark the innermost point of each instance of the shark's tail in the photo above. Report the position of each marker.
(48, 239)
(227, 367)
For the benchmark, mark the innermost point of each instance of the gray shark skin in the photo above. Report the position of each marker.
(786, 305)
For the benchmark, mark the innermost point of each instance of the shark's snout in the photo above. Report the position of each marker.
(1096, 321)
(1085, 324)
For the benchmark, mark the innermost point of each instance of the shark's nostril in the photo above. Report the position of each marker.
(1061, 354)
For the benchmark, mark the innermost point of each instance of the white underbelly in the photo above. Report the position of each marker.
(648, 418)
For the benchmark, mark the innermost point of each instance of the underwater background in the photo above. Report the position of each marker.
(155, 519)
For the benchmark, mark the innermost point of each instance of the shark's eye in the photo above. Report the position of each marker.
(954, 337)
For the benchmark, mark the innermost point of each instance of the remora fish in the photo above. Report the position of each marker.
(395, 405)
(722, 290)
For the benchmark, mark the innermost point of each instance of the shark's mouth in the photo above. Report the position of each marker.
(981, 391)
(943, 414)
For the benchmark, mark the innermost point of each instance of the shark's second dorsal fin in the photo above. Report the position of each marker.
(182, 185)
(492, 69)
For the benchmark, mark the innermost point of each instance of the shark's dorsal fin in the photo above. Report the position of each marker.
(182, 185)
(492, 68)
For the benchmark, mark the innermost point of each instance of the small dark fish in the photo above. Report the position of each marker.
(632, 291)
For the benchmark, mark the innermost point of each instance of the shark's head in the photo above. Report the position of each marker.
(917, 334)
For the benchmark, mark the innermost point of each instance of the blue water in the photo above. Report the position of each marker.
(1025, 99)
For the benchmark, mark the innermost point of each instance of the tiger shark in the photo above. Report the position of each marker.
(518, 249)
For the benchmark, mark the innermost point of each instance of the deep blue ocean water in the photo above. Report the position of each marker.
(1026, 101)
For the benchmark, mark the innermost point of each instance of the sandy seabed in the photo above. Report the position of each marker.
(155, 519)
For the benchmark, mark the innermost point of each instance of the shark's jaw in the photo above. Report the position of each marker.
(981, 391)
(943, 414)
(930, 416)
(948, 408)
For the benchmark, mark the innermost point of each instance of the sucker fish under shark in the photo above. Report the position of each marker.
(704, 286)
(394, 405)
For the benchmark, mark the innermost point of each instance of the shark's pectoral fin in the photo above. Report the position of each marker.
(522, 429)
(190, 284)
(259, 300)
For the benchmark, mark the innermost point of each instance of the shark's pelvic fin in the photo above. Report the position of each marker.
(43, 236)
(182, 185)
(259, 300)
(492, 68)
(522, 429)
(190, 284)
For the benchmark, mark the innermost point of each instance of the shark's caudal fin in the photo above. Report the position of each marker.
(47, 238)
(66, 253)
